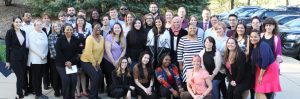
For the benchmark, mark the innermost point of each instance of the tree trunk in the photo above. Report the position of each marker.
(287, 2)
(248, 3)
(232, 4)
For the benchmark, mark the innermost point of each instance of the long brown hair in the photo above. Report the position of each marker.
(236, 53)
(121, 35)
(119, 68)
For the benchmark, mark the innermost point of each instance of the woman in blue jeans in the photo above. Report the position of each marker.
(211, 62)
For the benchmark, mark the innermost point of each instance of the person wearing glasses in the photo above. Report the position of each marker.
(233, 19)
(123, 11)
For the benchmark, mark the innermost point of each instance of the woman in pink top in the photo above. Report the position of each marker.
(198, 83)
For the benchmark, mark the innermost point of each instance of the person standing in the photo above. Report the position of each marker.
(16, 53)
(265, 67)
(91, 59)
(182, 14)
(67, 50)
(37, 57)
(188, 46)
(205, 23)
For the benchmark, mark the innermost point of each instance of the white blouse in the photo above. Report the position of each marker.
(38, 48)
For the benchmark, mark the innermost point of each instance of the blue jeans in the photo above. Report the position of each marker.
(215, 89)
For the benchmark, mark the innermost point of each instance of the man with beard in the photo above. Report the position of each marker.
(27, 26)
(71, 12)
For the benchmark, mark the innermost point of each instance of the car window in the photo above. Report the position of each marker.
(284, 20)
(258, 13)
(271, 14)
(293, 23)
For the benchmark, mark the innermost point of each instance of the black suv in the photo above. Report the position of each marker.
(290, 42)
(263, 14)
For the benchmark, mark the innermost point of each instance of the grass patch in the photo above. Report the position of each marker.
(2, 53)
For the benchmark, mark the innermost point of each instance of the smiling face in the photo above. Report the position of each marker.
(193, 21)
(208, 44)
(176, 22)
(196, 61)
(124, 64)
(145, 59)
(80, 21)
(205, 15)
(138, 25)
(149, 20)
(38, 25)
(231, 45)
(169, 16)
(219, 29)
(255, 24)
(68, 31)
(17, 23)
(158, 23)
(269, 27)
(153, 8)
(56, 27)
(117, 29)
(254, 38)
(129, 18)
(166, 61)
(105, 21)
(214, 21)
(113, 14)
(240, 29)
(181, 12)
(71, 11)
(95, 15)
(97, 29)
(192, 30)
(46, 19)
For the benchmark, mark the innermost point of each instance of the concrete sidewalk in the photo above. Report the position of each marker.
(289, 78)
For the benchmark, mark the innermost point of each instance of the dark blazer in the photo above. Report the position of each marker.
(66, 51)
(240, 72)
(173, 53)
(123, 82)
(14, 50)
(200, 24)
(44, 29)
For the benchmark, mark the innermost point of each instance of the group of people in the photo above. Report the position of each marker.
(145, 57)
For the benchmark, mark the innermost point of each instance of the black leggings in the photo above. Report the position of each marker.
(107, 69)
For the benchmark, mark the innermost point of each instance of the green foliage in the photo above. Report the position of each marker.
(2, 53)
(139, 7)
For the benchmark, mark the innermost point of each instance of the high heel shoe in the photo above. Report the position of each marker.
(84, 94)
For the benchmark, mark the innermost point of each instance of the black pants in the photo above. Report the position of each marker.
(56, 81)
(235, 92)
(37, 73)
(142, 93)
(28, 80)
(107, 69)
(223, 87)
(167, 93)
(19, 68)
(95, 76)
(68, 82)
(47, 76)
(119, 92)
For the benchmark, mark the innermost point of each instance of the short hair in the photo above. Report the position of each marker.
(214, 16)
(44, 14)
(82, 11)
(62, 13)
(37, 20)
(113, 9)
(206, 8)
(153, 3)
(25, 13)
(233, 15)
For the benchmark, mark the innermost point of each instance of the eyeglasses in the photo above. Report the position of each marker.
(123, 9)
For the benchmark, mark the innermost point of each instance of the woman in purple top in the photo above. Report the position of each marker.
(115, 48)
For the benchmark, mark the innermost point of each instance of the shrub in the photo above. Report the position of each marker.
(139, 7)
(2, 53)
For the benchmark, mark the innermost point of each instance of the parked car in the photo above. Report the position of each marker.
(263, 14)
(282, 19)
(291, 8)
(290, 38)
(239, 10)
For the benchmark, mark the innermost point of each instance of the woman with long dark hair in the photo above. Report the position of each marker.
(136, 42)
(17, 53)
(158, 41)
(264, 66)
(143, 77)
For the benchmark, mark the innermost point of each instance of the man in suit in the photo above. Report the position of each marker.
(205, 23)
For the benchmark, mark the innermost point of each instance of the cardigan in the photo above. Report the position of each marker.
(239, 71)
(162, 76)
(93, 51)
(38, 48)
